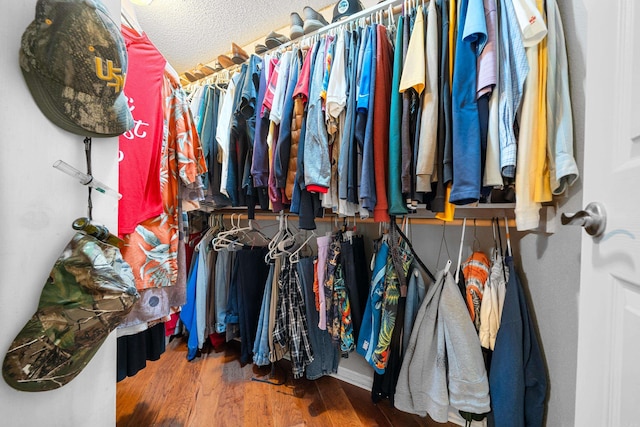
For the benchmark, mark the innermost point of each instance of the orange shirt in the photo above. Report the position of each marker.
(152, 248)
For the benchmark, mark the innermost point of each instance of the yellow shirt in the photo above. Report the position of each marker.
(449, 208)
(414, 70)
(453, 27)
(541, 178)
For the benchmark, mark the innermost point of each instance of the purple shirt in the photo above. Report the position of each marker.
(487, 61)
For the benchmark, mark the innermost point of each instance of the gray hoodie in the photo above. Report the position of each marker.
(443, 364)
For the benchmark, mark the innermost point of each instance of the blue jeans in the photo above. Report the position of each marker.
(326, 356)
(261, 344)
(222, 279)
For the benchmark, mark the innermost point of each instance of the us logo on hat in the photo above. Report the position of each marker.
(74, 61)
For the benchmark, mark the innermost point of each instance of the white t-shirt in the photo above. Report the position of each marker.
(531, 23)
(223, 131)
(337, 88)
(281, 88)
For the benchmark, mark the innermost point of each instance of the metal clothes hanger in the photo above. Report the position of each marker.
(464, 227)
(504, 267)
(476, 243)
(508, 236)
(443, 241)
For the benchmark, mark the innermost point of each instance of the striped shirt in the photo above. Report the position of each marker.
(513, 72)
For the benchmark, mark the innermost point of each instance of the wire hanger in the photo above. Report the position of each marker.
(464, 227)
(413, 251)
(501, 254)
(506, 225)
(443, 241)
(476, 243)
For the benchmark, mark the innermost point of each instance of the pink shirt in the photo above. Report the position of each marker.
(141, 147)
(323, 243)
(267, 104)
(302, 87)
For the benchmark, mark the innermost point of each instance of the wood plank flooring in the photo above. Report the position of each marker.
(215, 390)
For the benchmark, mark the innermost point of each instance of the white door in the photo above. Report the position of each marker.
(608, 371)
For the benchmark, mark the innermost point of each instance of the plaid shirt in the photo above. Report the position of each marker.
(291, 323)
(513, 72)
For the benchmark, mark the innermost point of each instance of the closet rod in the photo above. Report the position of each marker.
(367, 14)
(396, 6)
(479, 222)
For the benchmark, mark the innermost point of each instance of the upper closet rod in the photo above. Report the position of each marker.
(395, 6)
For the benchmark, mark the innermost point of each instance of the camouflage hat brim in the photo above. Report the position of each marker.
(76, 112)
(88, 293)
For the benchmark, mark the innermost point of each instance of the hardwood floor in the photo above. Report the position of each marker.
(215, 390)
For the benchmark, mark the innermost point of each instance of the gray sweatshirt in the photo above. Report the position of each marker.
(443, 349)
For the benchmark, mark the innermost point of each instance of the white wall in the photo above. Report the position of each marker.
(552, 265)
(39, 205)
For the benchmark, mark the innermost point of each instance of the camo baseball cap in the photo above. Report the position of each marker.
(88, 293)
(74, 61)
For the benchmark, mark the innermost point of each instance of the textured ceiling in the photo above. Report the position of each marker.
(189, 32)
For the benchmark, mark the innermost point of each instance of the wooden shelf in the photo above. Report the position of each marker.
(480, 215)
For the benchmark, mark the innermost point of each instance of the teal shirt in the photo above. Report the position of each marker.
(396, 203)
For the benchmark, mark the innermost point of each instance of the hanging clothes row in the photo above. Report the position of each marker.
(276, 298)
(443, 347)
(374, 120)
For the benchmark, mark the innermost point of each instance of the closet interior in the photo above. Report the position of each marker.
(352, 200)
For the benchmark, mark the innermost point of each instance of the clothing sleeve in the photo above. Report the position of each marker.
(429, 119)
(488, 85)
(513, 72)
(535, 377)
(532, 26)
(223, 134)
(562, 164)
(182, 129)
(283, 147)
(475, 25)
(467, 376)
(317, 172)
(485, 316)
(337, 87)
(466, 130)
(281, 87)
(422, 382)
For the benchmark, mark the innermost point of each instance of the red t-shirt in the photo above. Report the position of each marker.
(141, 147)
